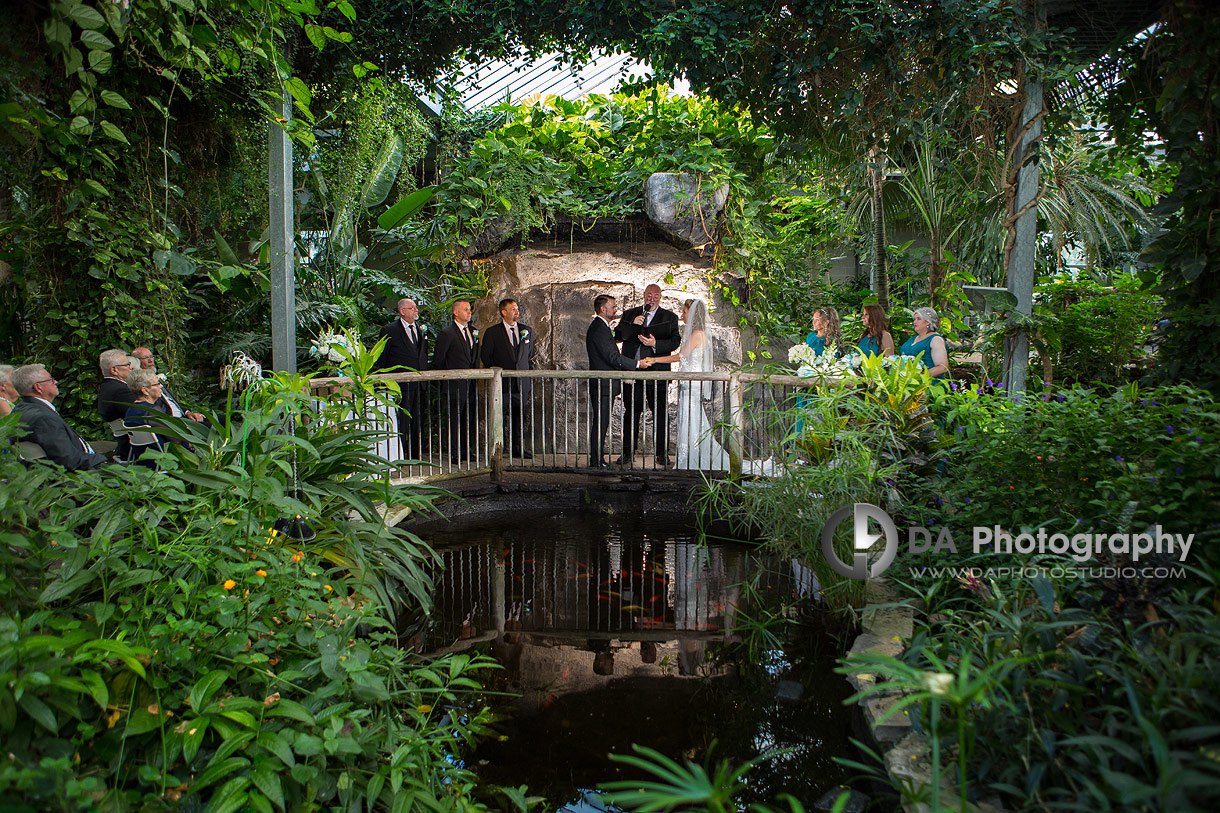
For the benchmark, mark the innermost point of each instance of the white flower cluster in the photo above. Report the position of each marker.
(800, 354)
(827, 364)
(327, 345)
(242, 371)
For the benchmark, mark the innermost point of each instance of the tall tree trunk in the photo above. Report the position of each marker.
(936, 274)
(880, 259)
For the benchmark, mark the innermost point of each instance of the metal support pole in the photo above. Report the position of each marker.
(1020, 272)
(283, 245)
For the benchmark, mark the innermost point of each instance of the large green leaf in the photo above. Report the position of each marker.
(384, 171)
(397, 214)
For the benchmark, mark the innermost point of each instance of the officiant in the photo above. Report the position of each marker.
(646, 331)
(509, 345)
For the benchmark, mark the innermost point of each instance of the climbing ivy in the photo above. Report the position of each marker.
(106, 100)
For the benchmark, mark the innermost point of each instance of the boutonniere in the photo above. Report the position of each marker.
(474, 332)
(525, 334)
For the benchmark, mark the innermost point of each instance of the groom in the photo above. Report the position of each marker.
(603, 355)
(646, 331)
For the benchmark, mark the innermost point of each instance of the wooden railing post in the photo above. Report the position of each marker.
(496, 405)
(737, 416)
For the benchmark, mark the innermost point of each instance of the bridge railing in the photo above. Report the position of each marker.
(465, 422)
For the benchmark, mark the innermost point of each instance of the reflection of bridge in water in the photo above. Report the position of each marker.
(553, 585)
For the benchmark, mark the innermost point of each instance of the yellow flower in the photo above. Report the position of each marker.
(328, 588)
(230, 584)
(261, 572)
(423, 709)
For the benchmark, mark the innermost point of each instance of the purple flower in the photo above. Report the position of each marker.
(1154, 403)
(1118, 457)
(1144, 401)
(967, 499)
(1046, 396)
(1169, 430)
(1198, 439)
(1062, 398)
(1183, 410)
(990, 383)
(1178, 469)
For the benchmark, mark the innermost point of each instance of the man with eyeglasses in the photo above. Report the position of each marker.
(113, 396)
(43, 423)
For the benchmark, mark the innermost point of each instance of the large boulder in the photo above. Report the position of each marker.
(681, 205)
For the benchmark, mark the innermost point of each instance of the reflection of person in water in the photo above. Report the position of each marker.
(603, 657)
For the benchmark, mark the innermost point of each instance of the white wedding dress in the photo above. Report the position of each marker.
(697, 444)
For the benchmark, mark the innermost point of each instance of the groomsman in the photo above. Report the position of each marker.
(509, 344)
(646, 331)
(406, 349)
(455, 351)
(603, 355)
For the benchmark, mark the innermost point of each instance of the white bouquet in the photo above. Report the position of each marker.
(827, 364)
(327, 345)
(801, 354)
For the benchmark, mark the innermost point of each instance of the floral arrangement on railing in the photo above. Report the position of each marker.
(331, 346)
(810, 365)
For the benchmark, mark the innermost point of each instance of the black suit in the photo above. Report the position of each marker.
(399, 355)
(496, 350)
(603, 355)
(454, 352)
(47, 428)
(664, 328)
(113, 399)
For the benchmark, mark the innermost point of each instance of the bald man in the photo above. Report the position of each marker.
(406, 349)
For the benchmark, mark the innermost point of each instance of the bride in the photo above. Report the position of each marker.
(697, 445)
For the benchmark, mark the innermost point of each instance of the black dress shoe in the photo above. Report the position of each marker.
(620, 460)
(599, 463)
(663, 460)
(523, 455)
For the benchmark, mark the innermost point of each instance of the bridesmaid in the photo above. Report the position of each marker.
(876, 340)
(825, 330)
(928, 345)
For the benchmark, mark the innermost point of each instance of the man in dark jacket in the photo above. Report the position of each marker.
(603, 355)
(646, 331)
(455, 351)
(113, 395)
(509, 344)
(43, 423)
(406, 349)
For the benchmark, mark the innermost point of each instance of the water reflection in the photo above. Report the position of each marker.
(654, 590)
(600, 624)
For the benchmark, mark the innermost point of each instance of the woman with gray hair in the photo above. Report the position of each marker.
(928, 345)
(145, 413)
(8, 394)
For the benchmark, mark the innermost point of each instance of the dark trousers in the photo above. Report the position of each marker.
(459, 415)
(411, 421)
(601, 398)
(656, 395)
(516, 418)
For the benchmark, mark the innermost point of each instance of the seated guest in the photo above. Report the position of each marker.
(8, 395)
(44, 425)
(825, 330)
(168, 401)
(876, 340)
(113, 397)
(146, 409)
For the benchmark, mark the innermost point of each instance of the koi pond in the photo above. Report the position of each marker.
(616, 626)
